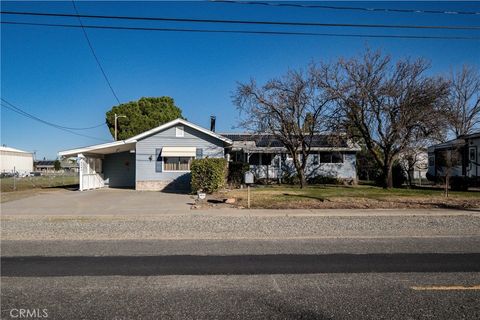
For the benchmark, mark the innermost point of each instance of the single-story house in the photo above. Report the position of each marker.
(44, 165)
(160, 158)
(330, 156)
(458, 158)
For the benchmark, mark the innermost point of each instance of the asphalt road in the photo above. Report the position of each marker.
(387, 278)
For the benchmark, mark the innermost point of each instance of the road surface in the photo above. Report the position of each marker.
(337, 278)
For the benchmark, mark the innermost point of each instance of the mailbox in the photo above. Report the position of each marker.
(248, 177)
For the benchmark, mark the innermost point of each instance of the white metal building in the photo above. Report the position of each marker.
(14, 160)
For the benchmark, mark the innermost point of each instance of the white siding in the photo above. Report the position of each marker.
(22, 162)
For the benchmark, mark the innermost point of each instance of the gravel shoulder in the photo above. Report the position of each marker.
(191, 226)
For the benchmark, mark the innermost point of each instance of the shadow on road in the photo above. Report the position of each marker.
(36, 266)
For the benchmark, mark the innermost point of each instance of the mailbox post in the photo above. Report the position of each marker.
(248, 181)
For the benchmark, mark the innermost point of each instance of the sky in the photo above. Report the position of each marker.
(51, 72)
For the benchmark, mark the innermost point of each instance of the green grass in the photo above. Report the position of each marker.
(370, 192)
(326, 196)
(28, 183)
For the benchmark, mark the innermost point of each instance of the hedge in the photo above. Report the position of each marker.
(208, 174)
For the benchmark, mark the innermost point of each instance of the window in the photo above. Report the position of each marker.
(473, 157)
(315, 160)
(199, 153)
(331, 157)
(337, 157)
(431, 161)
(179, 132)
(254, 159)
(266, 159)
(177, 163)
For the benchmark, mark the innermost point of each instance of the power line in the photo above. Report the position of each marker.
(223, 21)
(94, 54)
(14, 108)
(46, 122)
(242, 31)
(66, 130)
(318, 6)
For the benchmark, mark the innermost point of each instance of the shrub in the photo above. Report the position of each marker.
(236, 171)
(324, 180)
(291, 178)
(208, 174)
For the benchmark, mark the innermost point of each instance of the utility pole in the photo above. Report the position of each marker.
(116, 120)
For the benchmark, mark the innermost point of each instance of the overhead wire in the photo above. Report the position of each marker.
(20, 111)
(225, 21)
(355, 35)
(365, 9)
(94, 54)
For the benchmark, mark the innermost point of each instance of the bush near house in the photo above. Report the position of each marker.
(236, 171)
(209, 174)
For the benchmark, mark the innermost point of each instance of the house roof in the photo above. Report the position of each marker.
(44, 163)
(127, 144)
(457, 142)
(175, 122)
(9, 149)
(264, 142)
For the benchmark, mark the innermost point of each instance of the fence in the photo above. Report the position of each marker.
(9, 184)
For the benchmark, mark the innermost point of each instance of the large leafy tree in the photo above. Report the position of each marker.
(142, 115)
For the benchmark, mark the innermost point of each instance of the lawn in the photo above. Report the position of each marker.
(330, 196)
(28, 186)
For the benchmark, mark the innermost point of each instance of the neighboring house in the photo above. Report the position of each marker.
(330, 156)
(69, 165)
(415, 163)
(457, 158)
(160, 158)
(44, 166)
(15, 161)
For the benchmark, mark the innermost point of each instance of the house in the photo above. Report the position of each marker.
(415, 163)
(160, 158)
(330, 156)
(457, 158)
(15, 161)
(157, 159)
(44, 166)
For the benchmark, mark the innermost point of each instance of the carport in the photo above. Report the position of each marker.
(109, 164)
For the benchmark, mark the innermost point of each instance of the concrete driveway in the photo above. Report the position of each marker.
(99, 202)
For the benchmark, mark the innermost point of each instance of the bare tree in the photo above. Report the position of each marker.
(463, 108)
(291, 108)
(386, 105)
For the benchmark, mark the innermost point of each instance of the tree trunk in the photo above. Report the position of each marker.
(388, 176)
(303, 181)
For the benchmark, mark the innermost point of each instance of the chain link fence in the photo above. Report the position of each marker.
(10, 183)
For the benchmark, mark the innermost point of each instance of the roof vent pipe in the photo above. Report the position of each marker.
(212, 123)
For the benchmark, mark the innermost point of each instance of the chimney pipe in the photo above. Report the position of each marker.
(212, 123)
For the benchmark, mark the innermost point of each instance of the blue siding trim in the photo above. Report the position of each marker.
(147, 147)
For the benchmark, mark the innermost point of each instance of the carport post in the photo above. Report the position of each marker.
(80, 161)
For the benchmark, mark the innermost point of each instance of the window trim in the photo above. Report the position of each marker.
(184, 171)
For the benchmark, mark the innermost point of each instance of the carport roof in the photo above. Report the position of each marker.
(105, 148)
